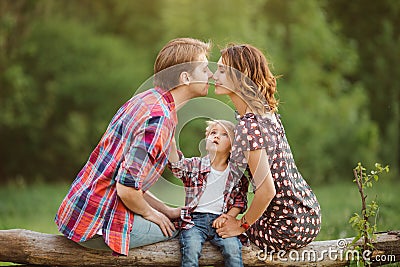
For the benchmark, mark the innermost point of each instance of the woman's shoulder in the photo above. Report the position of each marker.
(254, 121)
(247, 120)
(249, 129)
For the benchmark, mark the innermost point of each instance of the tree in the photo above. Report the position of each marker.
(318, 105)
(373, 28)
(61, 87)
(66, 66)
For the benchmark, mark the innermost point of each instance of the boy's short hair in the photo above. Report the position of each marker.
(176, 56)
(228, 126)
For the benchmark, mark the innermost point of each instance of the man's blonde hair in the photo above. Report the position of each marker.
(176, 56)
(227, 125)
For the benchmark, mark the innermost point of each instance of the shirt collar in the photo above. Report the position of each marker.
(166, 94)
(206, 167)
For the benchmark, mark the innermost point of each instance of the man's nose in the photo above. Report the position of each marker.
(210, 74)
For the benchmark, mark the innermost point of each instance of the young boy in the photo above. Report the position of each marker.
(213, 187)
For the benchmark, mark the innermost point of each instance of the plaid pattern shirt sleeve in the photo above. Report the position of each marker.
(240, 200)
(236, 189)
(141, 160)
(193, 173)
(181, 167)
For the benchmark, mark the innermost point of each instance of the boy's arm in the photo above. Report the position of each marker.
(219, 222)
(239, 205)
(240, 200)
(177, 163)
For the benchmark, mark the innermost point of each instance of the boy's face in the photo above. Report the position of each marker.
(218, 139)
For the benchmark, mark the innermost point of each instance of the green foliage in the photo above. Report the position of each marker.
(63, 87)
(66, 66)
(376, 37)
(361, 223)
(319, 107)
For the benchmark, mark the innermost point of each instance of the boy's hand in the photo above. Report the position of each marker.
(231, 227)
(219, 222)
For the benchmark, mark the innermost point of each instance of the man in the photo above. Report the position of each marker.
(108, 206)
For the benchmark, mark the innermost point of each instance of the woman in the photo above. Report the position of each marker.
(284, 213)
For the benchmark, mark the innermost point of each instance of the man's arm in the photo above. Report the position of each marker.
(173, 155)
(157, 204)
(135, 201)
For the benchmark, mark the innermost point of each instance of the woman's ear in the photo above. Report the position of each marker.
(184, 78)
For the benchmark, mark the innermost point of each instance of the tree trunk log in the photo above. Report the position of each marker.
(33, 248)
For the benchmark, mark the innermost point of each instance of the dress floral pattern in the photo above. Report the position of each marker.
(292, 219)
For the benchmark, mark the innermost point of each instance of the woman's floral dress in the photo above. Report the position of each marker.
(292, 219)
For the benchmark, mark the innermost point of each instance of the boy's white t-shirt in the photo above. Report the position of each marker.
(212, 199)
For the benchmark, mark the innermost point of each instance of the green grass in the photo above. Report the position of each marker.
(340, 201)
(30, 207)
(33, 207)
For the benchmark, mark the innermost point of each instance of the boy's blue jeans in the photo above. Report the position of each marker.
(192, 241)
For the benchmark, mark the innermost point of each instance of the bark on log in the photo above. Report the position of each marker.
(28, 247)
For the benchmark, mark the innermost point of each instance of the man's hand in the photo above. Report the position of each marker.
(136, 202)
(166, 226)
(174, 213)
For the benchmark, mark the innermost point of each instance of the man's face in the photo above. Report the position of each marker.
(200, 76)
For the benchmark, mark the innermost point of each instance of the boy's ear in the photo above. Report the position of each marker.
(184, 78)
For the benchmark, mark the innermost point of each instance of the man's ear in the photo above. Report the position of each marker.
(184, 78)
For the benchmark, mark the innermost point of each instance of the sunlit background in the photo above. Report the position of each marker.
(67, 66)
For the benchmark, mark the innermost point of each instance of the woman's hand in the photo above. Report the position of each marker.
(231, 227)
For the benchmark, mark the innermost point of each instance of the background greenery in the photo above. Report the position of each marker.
(67, 66)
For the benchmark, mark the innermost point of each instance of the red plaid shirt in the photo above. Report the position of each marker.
(133, 151)
(194, 172)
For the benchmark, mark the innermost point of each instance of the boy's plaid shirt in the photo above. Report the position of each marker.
(194, 172)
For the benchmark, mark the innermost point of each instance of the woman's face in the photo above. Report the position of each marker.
(223, 83)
